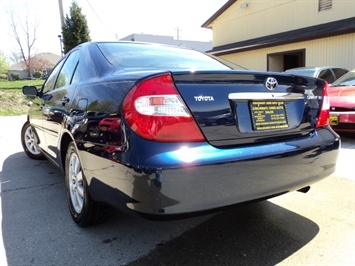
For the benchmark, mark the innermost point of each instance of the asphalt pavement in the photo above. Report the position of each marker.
(316, 228)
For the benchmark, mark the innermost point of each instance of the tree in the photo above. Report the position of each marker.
(4, 65)
(75, 30)
(40, 63)
(26, 44)
(15, 58)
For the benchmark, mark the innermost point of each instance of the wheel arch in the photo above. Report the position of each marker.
(66, 139)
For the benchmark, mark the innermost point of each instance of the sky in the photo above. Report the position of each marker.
(108, 20)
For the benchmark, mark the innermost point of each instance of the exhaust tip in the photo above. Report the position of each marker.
(304, 190)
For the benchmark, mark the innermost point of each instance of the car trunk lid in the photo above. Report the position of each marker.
(241, 107)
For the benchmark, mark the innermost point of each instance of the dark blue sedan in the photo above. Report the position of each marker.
(166, 132)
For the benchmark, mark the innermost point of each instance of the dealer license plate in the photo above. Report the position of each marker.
(334, 120)
(268, 115)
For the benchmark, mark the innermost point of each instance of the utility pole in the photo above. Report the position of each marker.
(61, 13)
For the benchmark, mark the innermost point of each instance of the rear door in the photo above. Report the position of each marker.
(57, 99)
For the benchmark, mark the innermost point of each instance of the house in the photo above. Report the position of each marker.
(43, 62)
(169, 40)
(282, 34)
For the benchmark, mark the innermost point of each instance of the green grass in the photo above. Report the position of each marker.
(12, 100)
(18, 84)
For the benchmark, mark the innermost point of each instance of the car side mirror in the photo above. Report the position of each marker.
(30, 91)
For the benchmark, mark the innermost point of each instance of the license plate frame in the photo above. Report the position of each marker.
(268, 115)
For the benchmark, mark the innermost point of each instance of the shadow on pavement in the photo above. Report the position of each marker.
(37, 229)
(257, 234)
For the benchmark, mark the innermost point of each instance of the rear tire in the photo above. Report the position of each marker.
(29, 141)
(83, 209)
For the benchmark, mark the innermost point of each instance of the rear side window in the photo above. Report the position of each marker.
(67, 72)
(326, 75)
(339, 72)
(147, 56)
(49, 85)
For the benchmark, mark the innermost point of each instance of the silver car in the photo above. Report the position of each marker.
(328, 73)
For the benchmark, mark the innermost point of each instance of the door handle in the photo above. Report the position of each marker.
(65, 100)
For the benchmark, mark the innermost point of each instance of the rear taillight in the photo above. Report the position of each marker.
(323, 118)
(155, 111)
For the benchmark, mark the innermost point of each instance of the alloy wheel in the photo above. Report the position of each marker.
(76, 185)
(31, 141)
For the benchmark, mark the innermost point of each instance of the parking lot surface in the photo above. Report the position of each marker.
(316, 228)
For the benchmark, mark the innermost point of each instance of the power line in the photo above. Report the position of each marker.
(103, 24)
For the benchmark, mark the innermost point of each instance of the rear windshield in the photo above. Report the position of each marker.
(148, 56)
(308, 73)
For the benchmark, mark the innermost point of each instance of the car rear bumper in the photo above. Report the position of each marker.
(190, 182)
(345, 121)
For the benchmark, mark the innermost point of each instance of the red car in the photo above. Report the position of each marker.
(342, 103)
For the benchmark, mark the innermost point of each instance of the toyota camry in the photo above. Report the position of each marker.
(167, 132)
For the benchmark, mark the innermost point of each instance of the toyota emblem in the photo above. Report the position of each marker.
(271, 83)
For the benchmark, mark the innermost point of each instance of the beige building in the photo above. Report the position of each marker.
(281, 34)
